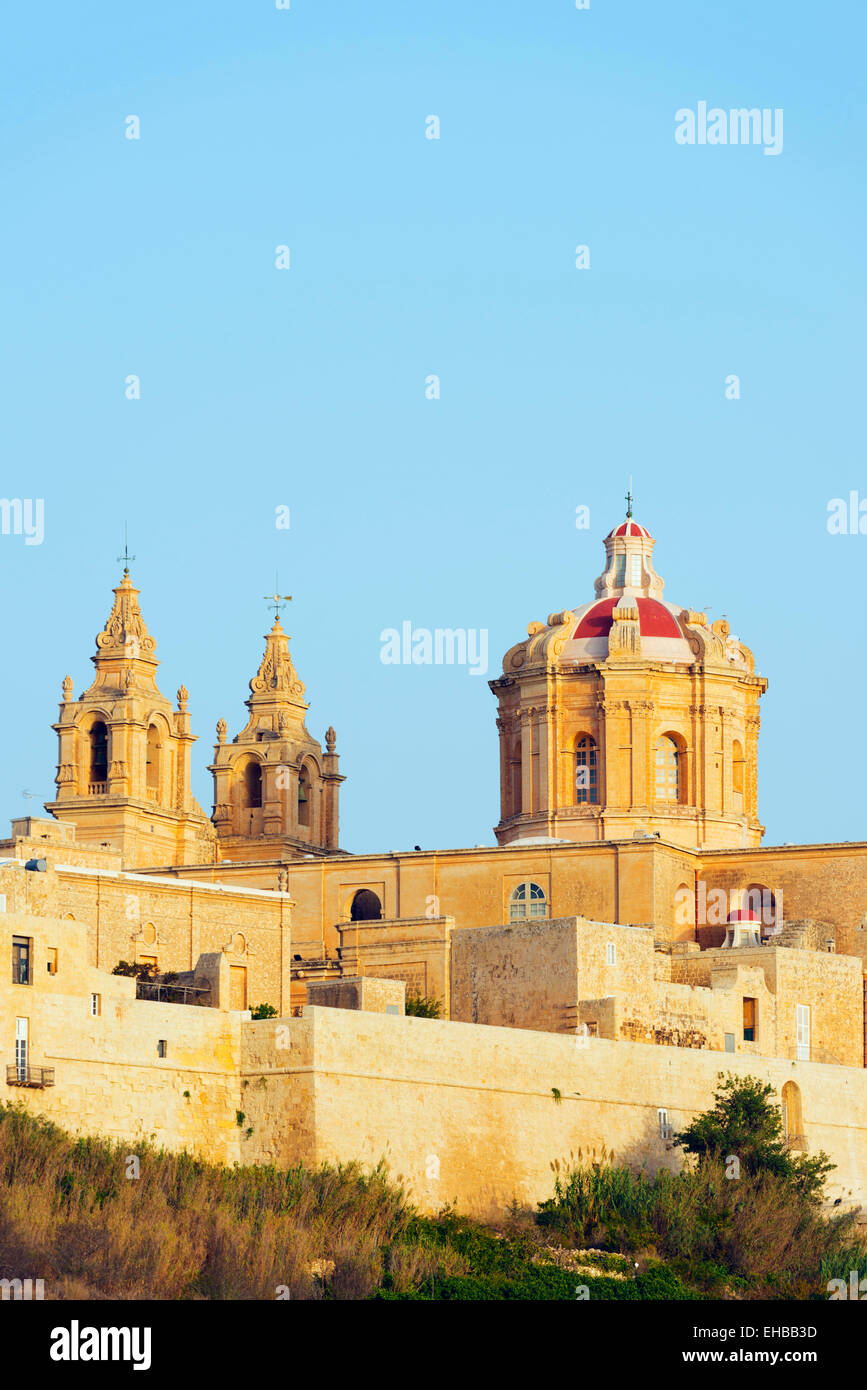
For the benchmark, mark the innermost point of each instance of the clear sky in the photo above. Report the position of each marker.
(306, 387)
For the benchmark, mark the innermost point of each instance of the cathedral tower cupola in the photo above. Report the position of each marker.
(629, 564)
(275, 791)
(123, 771)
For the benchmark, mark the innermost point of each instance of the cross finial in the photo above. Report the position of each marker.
(126, 557)
(277, 600)
(629, 499)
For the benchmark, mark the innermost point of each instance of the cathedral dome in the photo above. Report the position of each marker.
(655, 619)
(662, 638)
(627, 715)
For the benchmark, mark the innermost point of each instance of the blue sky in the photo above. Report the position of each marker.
(409, 257)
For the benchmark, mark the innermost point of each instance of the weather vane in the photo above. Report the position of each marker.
(277, 600)
(629, 498)
(126, 557)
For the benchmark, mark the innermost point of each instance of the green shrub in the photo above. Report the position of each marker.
(419, 1007)
(263, 1011)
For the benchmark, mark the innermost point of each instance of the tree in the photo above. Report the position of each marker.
(135, 969)
(747, 1124)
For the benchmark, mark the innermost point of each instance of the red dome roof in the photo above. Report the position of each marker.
(654, 619)
(743, 914)
(629, 528)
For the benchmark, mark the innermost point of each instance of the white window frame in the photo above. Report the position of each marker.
(802, 1032)
(21, 1047)
(610, 953)
(525, 908)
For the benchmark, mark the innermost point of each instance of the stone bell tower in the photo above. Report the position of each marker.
(275, 792)
(123, 772)
(630, 715)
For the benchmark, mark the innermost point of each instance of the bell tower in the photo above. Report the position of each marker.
(276, 794)
(123, 772)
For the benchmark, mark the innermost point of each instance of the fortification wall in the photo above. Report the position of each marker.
(469, 1113)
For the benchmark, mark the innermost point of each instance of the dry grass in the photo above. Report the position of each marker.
(187, 1229)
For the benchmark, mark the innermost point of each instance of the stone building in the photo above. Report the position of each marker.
(628, 932)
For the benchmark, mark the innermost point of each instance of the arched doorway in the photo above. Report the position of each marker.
(366, 906)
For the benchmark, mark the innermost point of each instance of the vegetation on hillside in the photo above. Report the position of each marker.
(101, 1220)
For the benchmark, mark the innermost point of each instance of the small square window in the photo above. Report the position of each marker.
(610, 953)
(52, 961)
(162, 1047)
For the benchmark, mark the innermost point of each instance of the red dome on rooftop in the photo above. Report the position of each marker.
(743, 914)
(629, 528)
(654, 619)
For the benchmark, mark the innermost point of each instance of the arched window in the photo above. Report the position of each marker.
(99, 752)
(527, 900)
(668, 769)
(304, 794)
(762, 903)
(153, 759)
(737, 766)
(366, 906)
(253, 785)
(793, 1120)
(585, 770)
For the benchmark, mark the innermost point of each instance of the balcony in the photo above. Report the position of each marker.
(97, 789)
(38, 1077)
(173, 994)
